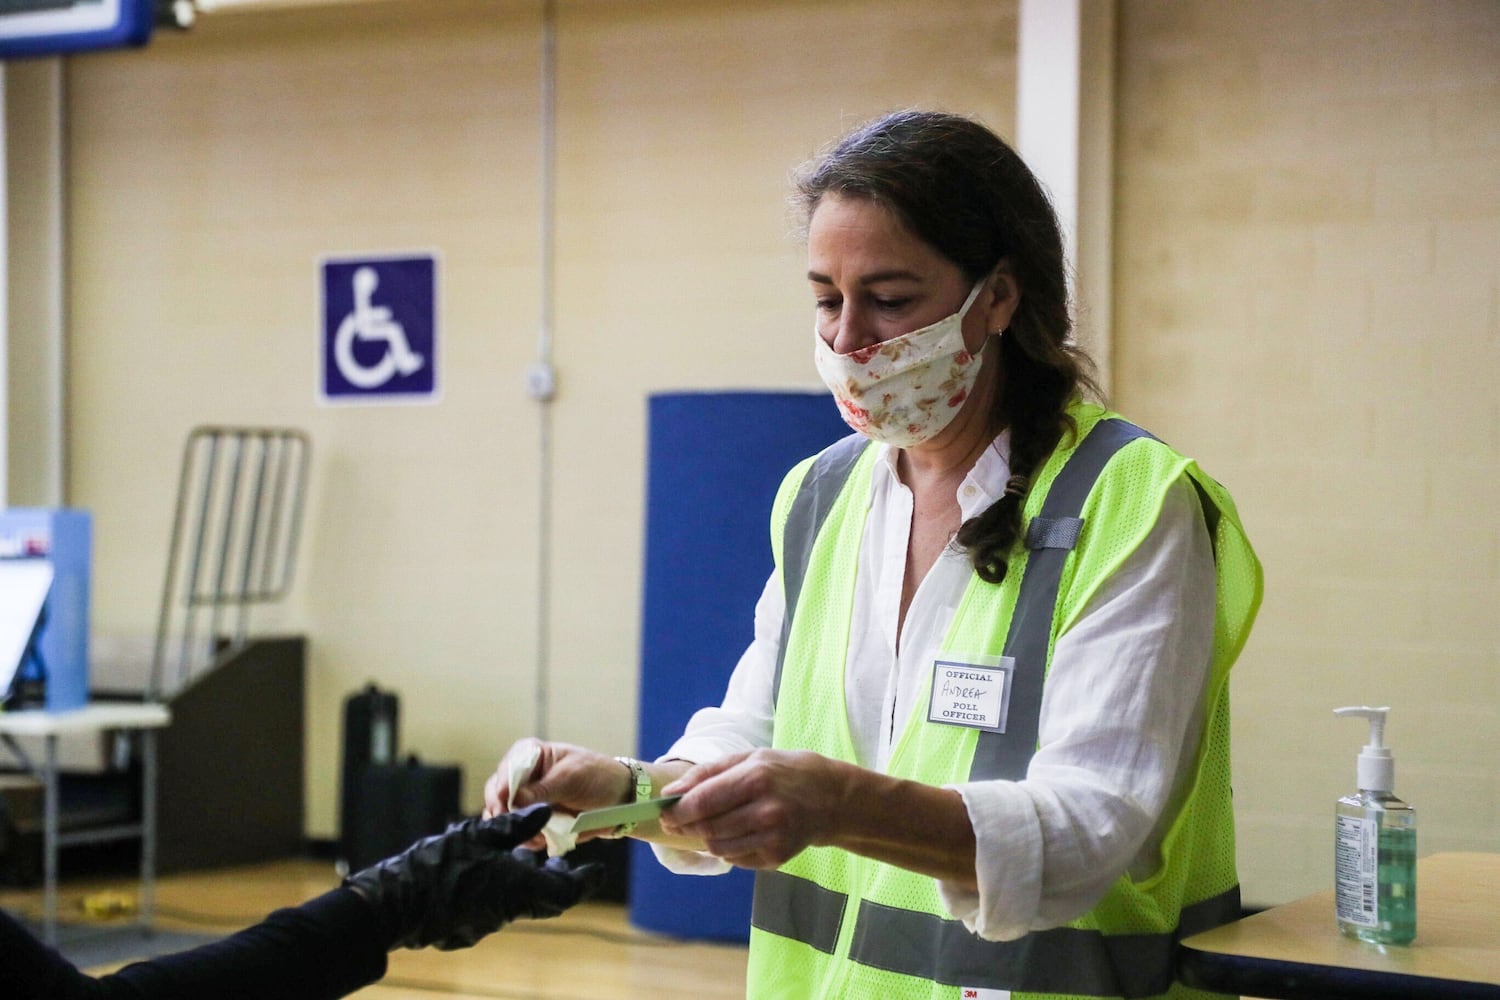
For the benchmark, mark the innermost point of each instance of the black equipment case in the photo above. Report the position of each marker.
(386, 803)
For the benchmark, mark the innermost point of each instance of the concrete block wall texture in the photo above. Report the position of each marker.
(1308, 299)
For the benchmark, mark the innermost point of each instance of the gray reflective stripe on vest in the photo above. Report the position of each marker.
(1061, 960)
(798, 908)
(1007, 754)
(815, 498)
(931, 948)
(1054, 532)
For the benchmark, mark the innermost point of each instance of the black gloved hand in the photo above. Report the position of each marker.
(452, 889)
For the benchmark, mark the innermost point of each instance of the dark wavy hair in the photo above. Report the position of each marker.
(963, 191)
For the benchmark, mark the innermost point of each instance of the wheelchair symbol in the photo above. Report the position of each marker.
(371, 322)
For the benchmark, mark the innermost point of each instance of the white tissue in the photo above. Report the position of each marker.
(559, 829)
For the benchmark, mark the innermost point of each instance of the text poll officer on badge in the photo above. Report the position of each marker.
(987, 749)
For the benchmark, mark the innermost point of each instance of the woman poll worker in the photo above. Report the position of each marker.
(980, 740)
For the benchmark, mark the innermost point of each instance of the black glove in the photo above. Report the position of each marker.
(452, 889)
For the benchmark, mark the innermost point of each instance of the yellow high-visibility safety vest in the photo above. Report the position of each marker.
(830, 924)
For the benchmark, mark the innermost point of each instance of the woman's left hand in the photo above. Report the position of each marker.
(760, 808)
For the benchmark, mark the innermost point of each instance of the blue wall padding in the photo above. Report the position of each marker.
(713, 465)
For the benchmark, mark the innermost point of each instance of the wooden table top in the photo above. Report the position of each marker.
(1296, 951)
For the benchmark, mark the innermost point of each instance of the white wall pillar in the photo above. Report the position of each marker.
(1065, 132)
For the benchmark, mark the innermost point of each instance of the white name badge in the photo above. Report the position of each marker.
(972, 695)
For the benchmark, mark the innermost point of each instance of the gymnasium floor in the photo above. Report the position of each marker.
(591, 951)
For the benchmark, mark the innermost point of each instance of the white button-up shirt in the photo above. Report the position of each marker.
(1121, 712)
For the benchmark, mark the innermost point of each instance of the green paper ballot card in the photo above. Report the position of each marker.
(634, 812)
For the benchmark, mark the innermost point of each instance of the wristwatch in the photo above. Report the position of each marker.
(641, 781)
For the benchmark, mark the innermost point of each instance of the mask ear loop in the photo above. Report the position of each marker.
(963, 310)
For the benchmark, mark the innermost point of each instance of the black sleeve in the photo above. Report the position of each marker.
(326, 948)
(29, 970)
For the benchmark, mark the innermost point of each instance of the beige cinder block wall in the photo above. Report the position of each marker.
(1307, 289)
(211, 170)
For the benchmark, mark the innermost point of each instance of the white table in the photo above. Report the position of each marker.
(93, 718)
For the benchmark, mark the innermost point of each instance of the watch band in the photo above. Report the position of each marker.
(641, 781)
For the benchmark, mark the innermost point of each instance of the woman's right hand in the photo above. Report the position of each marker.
(570, 778)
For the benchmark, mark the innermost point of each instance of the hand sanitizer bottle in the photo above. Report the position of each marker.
(1375, 848)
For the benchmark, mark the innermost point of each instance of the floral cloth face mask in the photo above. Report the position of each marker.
(903, 391)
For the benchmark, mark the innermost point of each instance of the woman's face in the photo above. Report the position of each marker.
(874, 280)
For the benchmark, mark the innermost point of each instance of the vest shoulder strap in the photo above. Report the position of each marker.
(1050, 535)
(815, 498)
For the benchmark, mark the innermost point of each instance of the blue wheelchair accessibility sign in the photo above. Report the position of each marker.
(379, 336)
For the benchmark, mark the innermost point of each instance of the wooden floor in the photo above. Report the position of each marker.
(591, 951)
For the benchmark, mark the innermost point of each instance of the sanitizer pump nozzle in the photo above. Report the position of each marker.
(1376, 768)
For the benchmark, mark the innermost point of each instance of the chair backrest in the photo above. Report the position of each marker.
(234, 541)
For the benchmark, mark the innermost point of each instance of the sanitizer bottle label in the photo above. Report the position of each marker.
(1355, 855)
